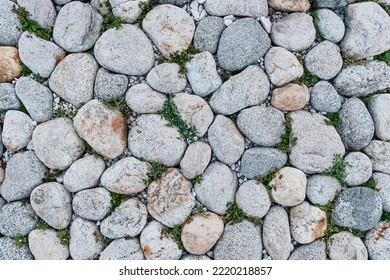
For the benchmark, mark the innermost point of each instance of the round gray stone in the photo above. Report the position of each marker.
(123, 249)
(92, 204)
(166, 78)
(242, 44)
(358, 169)
(8, 98)
(377, 241)
(324, 97)
(330, 25)
(332, 4)
(262, 125)
(346, 246)
(379, 153)
(253, 199)
(142, 99)
(313, 251)
(17, 219)
(207, 34)
(322, 189)
(250, 8)
(359, 208)
(378, 107)
(258, 162)
(382, 185)
(240, 241)
(195, 159)
(109, 86)
(10, 27)
(45, 245)
(9, 250)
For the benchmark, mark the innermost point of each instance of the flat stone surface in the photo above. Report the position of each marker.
(207, 34)
(333, 4)
(9, 250)
(53, 204)
(8, 98)
(142, 99)
(9, 24)
(290, 97)
(358, 208)
(330, 25)
(346, 246)
(123, 249)
(170, 28)
(57, 144)
(322, 189)
(248, 88)
(166, 78)
(382, 185)
(17, 219)
(276, 233)
(358, 169)
(126, 176)
(379, 153)
(378, 108)
(313, 251)
(17, 130)
(253, 199)
(109, 86)
(9, 64)
(324, 97)
(377, 241)
(195, 159)
(316, 142)
(45, 245)
(23, 173)
(92, 204)
(251, 8)
(217, 188)
(126, 50)
(290, 5)
(190, 257)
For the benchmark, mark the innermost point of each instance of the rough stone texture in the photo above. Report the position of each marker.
(143, 99)
(195, 111)
(295, 32)
(123, 249)
(346, 246)
(240, 241)
(195, 159)
(84, 173)
(77, 27)
(170, 28)
(378, 107)
(358, 170)
(179, 3)
(276, 233)
(9, 24)
(251, 8)
(379, 153)
(152, 140)
(248, 88)
(330, 25)
(324, 97)
(262, 125)
(282, 66)
(17, 130)
(207, 34)
(313, 251)
(166, 78)
(322, 189)
(190, 257)
(127, 10)
(42, 11)
(217, 188)
(382, 185)
(332, 4)
(258, 162)
(202, 74)
(36, 98)
(290, 5)
(361, 80)
(9, 64)
(103, 128)
(290, 97)
(377, 241)
(17, 219)
(324, 60)
(45, 245)
(109, 86)
(170, 200)
(86, 242)
(128, 219)
(53, 204)
(253, 199)
(358, 208)
(226, 140)
(241, 44)
(126, 176)
(126, 50)
(8, 99)
(368, 30)
(23, 173)
(288, 186)
(57, 144)
(316, 142)
(307, 223)
(156, 246)
(9, 250)
(357, 127)
(74, 77)
(92, 204)
(201, 233)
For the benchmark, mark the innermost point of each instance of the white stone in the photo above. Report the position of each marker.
(166, 78)
(195, 159)
(45, 245)
(17, 130)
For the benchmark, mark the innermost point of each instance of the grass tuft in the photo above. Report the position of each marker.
(110, 20)
(338, 169)
(197, 179)
(307, 79)
(145, 9)
(266, 180)
(52, 175)
(333, 119)
(287, 138)
(370, 184)
(120, 105)
(180, 58)
(20, 241)
(41, 224)
(175, 234)
(155, 171)
(31, 25)
(116, 200)
(64, 236)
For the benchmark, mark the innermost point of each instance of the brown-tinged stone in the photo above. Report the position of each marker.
(290, 97)
(9, 64)
(290, 5)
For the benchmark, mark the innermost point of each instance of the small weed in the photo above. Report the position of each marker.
(64, 236)
(23, 108)
(107, 241)
(368, 98)
(170, 113)
(25, 70)
(37, 77)
(385, 57)
(353, 60)
(370, 184)
(116, 200)
(120, 105)
(90, 150)
(307, 79)
(266, 180)
(200, 210)
(333, 119)
(52, 175)
(197, 179)
(156, 170)
(385, 216)
(287, 137)
(24, 201)
(175, 234)
(255, 220)
(225, 76)
(181, 58)
(20, 241)
(338, 169)
(31, 25)
(41, 224)
(234, 214)
(96, 235)
(145, 9)
(109, 20)
(313, 14)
